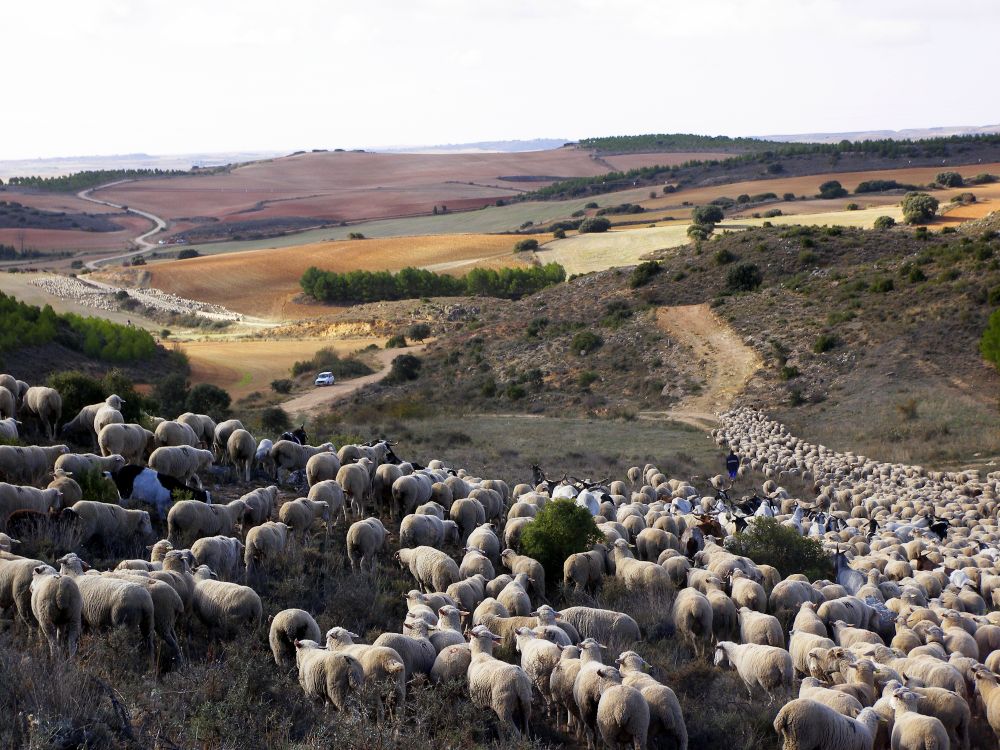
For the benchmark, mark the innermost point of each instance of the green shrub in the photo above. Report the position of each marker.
(206, 398)
(882, 285)
(535, 327)
(983, 178)
(590, 205)
(949, 179)
(788, 197)
(643, 273)
(282, 385)
(724, 257)
(771, 213)
(916, 275)
(404, 367)
(559, 234)
(745, 277)
(560, 529)
(585, 342)
(831, 189)
(515, 392)
(585, 378)
(396, 342)
(523, 246)
(700, 231)
(852, 207)
(328, 359)
(789, 372)
(919, 207)
(707, 215)
(824, 343)
(76, 390)
(808, 257)
(188, 252)
(171, 392)
(419, 331)
(594, 225)
(274, 420)
(989, 344)
(96, 487)
(616, 313)
(885, 222)
(767, 542)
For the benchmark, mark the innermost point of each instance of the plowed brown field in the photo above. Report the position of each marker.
(264, 282)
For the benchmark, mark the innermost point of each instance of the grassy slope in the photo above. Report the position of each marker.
(917, 342)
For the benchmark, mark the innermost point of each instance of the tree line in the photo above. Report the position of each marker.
(73, 183)
(412, 283)
(23, 325)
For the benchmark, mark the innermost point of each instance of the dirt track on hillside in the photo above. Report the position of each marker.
(725, 363)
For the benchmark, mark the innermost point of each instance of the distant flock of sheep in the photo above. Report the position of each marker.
(902, 650)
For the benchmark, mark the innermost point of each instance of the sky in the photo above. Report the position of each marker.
(180, 76)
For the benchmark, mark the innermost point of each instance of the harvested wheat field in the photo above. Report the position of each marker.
(585, 253)
(265, 282)
(242, 366)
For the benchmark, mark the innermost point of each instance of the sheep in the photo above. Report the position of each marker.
(300, 514)
(260, 505)
(484, 539)
(838, 700)
(220, 438)
(7, 543)
(287, 627)
(45, 405)
(692, 616)
(801, 644)
(757, 627)
(15, 497)
(289, 456)
(665, 717)
(725, 618)
(494, 587)
(948, 707)
(181, 462)
(747, 592)
(504, 688)
(514, 596)
(637, 575)
(448, 630)
(550, 621)
(264, 543)
(803, 723)
(327, 676)
(190, 519)
(516, 563)
(415, 650)
(987, 687)
(385, 476)
(605, 625)
(586, 570)
(432, 568)
(224, 606)
(409, 491)
(538, 658)
(587, 687)
(365, 539)
(622, 712)
(767, 667)
(106, 415)
(263, 460)
(913, 730)
(174, 434)
(330, 492)
(242, 451)
(561, 683)
(16, 574)
(476, 563)
(111, 525)
(380, 665)
(86, 419)
(157, 552)
(29, 465)
(7, 405)
(8, 429)
(322, 467)
(167, 607)
(417, 530)
(468, 593)
(78, 464)
(57, 606)
(223, 554)
(469, 514)
(451, 663)
(69, 491)
(132, 441)
(806, 621)
(111, 602)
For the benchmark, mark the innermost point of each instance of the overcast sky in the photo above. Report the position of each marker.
(172, 76)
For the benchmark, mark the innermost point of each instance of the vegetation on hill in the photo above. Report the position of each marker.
(413, 283)
(72, 183)
(9, 252)
(24, 325)
(668, 142)
(13, 215)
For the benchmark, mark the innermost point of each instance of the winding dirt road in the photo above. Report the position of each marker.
(142, 240)
(322, 397)
(726, 363)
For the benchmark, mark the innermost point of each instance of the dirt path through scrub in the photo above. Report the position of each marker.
(724, 362)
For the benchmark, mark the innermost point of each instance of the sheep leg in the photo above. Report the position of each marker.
(50, 634)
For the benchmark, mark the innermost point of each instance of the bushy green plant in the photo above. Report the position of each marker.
(882, 285)
(700, 231)
(707, 215)
(768, 542)
(404, 367)
(559, 234)
(885, 222)
(560, 529)
(418, 331)
(95, 486)
(396, 342)
(831, 189)
(643, 273)
(989, 344)
(522, 246)
(919, 207)
(724, 257)
(208, 398)
(744, 277)
(274, 420)
(585, 342)
(282, 385)
(594, 225)
(949, 179)
(824, 343)
(328, 359)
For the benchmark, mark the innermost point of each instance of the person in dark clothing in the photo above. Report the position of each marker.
(732, 465)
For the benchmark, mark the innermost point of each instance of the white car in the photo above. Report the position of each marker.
(325, 378)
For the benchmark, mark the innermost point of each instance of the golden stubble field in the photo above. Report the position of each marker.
(264, 283)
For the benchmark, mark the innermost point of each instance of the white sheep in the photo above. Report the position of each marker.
(242, 451)
(767, 667)
(223, 554)
(332, 494)
(29, 465)
(325, 675)
(912, 729)
(132, 441)
(181, 462)
(692, 617)
(224, 606)
(110, 524)
(264, 543)
(803, 723)
(57, 605)
(15, 497)
(380, 665)
(451, 663)
(300, 514)
(45, 405)
(173, 434)
(365, 539)
(415, 649)
(622, 712)
(432, 568)
(287, 627)
(665, 717)
(538, 658)
(260, 505)
(191, 519)
(493, 684)
(604, 625)
(758, 627)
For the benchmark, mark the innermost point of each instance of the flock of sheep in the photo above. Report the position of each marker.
(902, 650)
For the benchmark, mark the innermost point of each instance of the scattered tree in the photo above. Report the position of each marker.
(745, 277)
(595, 225)
(419, 331)
(207, 398)
(707, 214)
(885, 222)
(831, 189)
(949, 179)
(919, 208)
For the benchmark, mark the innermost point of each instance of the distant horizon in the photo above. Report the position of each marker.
(403, 148)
